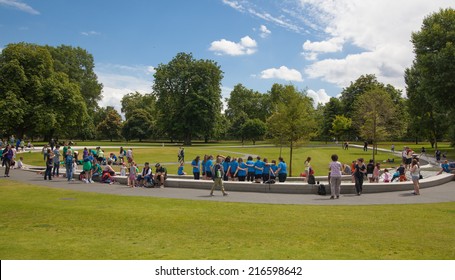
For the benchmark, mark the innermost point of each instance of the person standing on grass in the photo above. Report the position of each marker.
(218, 173)
(49, 164)
(335, 168)
(359, 174)
(415, 175)
(196, 167)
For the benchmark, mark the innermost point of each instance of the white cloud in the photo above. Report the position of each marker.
(16, 4)
(90, 33)
(282, 73)
(312, 49)
(233, 4)
(250, 8)
(119, 80)
(246, 46)
(319, 96)
(380, 30)
(264, 31)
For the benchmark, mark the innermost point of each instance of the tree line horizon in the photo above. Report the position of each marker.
(52, 92)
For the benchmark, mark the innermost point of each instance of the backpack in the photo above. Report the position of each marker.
(321, 190)
(69, 160)
(106, 177)
(311, 180)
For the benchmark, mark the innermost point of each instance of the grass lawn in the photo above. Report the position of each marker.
(44, 223)
(168, 155)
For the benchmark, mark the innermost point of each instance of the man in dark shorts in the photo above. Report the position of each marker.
(160, 175)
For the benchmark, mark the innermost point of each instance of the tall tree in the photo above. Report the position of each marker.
(243, 105)
(332, 109)
(433, 68)
(45, 101)
(254, 130)
(293, 119)
(188, 95)
(138, 126)
(79, 65)
(111, 126)
(376, 116)
(340, 126)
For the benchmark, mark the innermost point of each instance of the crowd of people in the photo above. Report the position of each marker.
(95, 163)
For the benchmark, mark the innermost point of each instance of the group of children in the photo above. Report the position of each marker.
(235, 169)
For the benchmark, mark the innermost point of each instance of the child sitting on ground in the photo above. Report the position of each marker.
(180, 170)
(19, 163)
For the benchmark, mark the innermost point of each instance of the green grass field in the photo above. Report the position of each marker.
(320, 155)
(44, 223)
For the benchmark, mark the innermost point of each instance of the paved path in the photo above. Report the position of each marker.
(442, 193)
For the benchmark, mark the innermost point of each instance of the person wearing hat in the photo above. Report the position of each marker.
(160, 175)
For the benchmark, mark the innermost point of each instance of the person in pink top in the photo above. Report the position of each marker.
(335, 168)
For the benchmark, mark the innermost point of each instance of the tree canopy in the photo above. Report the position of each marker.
(188, 93)
(35, 99)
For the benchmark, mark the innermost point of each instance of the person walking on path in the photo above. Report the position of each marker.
(181, 155)
(49, 165)
(218, 173)
(415, 175)
(359, 174)
(335, 177)
(7, 157)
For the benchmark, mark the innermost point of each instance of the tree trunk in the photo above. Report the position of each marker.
(290, 161)
(187, 141)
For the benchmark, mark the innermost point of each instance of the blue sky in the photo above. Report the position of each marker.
(319, 45)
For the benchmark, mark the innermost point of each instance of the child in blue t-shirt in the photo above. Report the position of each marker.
(259, 167)
(251, 169)
(196, 168)
(241, 170)
(180, 170)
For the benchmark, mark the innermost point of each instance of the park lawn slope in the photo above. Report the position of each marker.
(44, 223)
